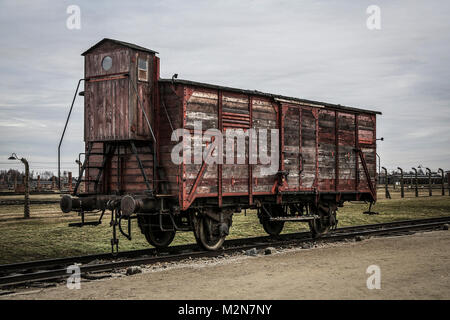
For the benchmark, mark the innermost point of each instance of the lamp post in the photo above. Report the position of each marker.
(26, 209)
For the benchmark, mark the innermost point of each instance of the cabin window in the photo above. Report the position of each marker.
(142, 69)
(107, 63)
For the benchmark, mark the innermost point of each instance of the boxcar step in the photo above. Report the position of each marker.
(304, 218)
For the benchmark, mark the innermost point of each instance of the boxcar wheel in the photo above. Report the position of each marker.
(318, 228)
(273, 228)
(154, 235)
(204, 236)
(158, 238)
(327, 219)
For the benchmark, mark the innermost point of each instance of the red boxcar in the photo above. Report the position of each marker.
(136, 123)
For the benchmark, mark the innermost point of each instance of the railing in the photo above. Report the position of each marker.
(64, 132)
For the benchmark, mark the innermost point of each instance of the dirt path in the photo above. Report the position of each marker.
(412, 267)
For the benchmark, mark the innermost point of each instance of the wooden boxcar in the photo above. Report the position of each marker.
(325, 153)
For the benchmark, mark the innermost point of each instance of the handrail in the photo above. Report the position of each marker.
(64, 132)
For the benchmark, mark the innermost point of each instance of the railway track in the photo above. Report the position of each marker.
(51, 269)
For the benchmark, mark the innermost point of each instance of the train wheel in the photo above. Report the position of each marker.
(208, 241)
(209, 233)
(273, 228)
(326, 220)
(318, 228)
(154, 235)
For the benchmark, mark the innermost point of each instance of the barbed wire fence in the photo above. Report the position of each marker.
(414, 183)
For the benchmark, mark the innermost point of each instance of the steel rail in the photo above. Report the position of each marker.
(232, 246)
(51, 263)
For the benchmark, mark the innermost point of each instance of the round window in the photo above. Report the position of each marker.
(106, 63)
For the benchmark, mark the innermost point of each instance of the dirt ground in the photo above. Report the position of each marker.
(412, 267)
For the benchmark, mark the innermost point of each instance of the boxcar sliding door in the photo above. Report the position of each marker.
(308, 148)
(291, 145)
(300, 146)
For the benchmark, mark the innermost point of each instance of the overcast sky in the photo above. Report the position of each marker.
(319, 50)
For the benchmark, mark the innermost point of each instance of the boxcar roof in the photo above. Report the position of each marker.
(122, 43)
(275, 96)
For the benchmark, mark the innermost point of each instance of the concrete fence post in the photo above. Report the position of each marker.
(416, 183)
(386, 184)
(442, 181)
(69, 181)
(430, 190)
(402, 186)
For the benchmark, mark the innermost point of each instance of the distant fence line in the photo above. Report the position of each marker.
(38, 185)
(437, 182)
(391, 181)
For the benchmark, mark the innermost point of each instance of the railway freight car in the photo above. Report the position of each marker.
(180, 155)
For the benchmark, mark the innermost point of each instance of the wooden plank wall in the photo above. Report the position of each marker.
(291, 150)
(264, 116)
(308, 148)
(131, 178)
(202, 105)
(347, 156)
(112, 110)
(106, 110)
(325, 138)
(235, 115)
(327, 150)
(120, 58)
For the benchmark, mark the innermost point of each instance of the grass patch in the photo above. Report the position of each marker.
(46, 234)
